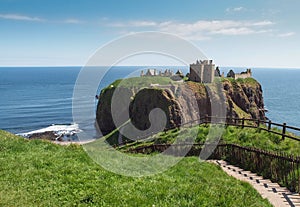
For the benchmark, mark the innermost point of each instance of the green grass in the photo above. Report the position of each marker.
(250, 81)
(261, 139)
(248, 137)
(141, 82)
(39, 173)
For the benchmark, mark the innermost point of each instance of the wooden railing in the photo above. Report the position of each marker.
(278, 167)
(265, 125)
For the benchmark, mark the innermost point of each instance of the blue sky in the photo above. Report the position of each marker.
(252, 33)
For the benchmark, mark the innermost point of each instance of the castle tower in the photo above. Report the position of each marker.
(203, 71)
(249, 72)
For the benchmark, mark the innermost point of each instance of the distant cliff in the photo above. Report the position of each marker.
(180, 102)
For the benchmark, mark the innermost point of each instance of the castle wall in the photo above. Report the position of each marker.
(195, 73)
(208, 73)
(245, 75)
(203, 72)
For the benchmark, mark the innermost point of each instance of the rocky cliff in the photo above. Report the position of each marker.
(180, 102)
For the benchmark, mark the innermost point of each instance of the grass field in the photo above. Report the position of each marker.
(39, 173)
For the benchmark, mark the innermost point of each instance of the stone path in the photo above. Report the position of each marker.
(278, 196)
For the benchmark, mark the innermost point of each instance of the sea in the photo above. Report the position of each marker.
(38, 99)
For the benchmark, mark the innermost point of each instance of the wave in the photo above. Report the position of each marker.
(59, 130)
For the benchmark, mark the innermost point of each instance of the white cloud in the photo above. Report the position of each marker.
(235, 9)
(238, 8)
(19, 17)
(205, 29)
(288, 34)
(200, 30)
(133, 24)
(72, 21)
(235, 31)
(263, 23)
(143, 23)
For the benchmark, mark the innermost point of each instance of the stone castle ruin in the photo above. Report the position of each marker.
(202, 71)
(205, 72)
(154, 72)
(247, 74)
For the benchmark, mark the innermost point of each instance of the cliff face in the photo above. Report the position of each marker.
(103, 115)
(182, 103)
(245, 99)
(148, 99)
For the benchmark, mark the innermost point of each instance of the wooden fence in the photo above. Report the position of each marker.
(278, 167)
(265, 125)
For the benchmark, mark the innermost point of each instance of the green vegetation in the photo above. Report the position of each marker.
(261, 139)
(248, 137)
(250, 81)
(40, 173)
(141, 82)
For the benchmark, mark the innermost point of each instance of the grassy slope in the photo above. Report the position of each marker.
(246, 137)
(261, 139)
(39, 173)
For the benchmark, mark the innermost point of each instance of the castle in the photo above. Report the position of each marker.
(247, 74)
(153, 72)
(202, 71)
(205, 72)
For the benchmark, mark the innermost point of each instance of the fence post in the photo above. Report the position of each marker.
(299, 184)
(283, 131)
(243, 122)
(258, 123)
(269, 126)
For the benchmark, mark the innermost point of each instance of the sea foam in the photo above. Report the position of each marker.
(59, 130)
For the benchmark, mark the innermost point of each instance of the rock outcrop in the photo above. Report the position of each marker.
(245, 99)
(181, 103)
(104, 115)
(148, 99)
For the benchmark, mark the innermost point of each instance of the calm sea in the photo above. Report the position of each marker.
(32, 98)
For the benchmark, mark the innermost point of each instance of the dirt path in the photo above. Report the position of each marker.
(278, 196)
(72, 142)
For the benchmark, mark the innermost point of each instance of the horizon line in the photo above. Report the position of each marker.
(58, 66)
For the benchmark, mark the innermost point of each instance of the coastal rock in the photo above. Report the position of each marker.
(245, 99)
(182, 103)
(104, 116)
(148, 99)
(49, 135)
